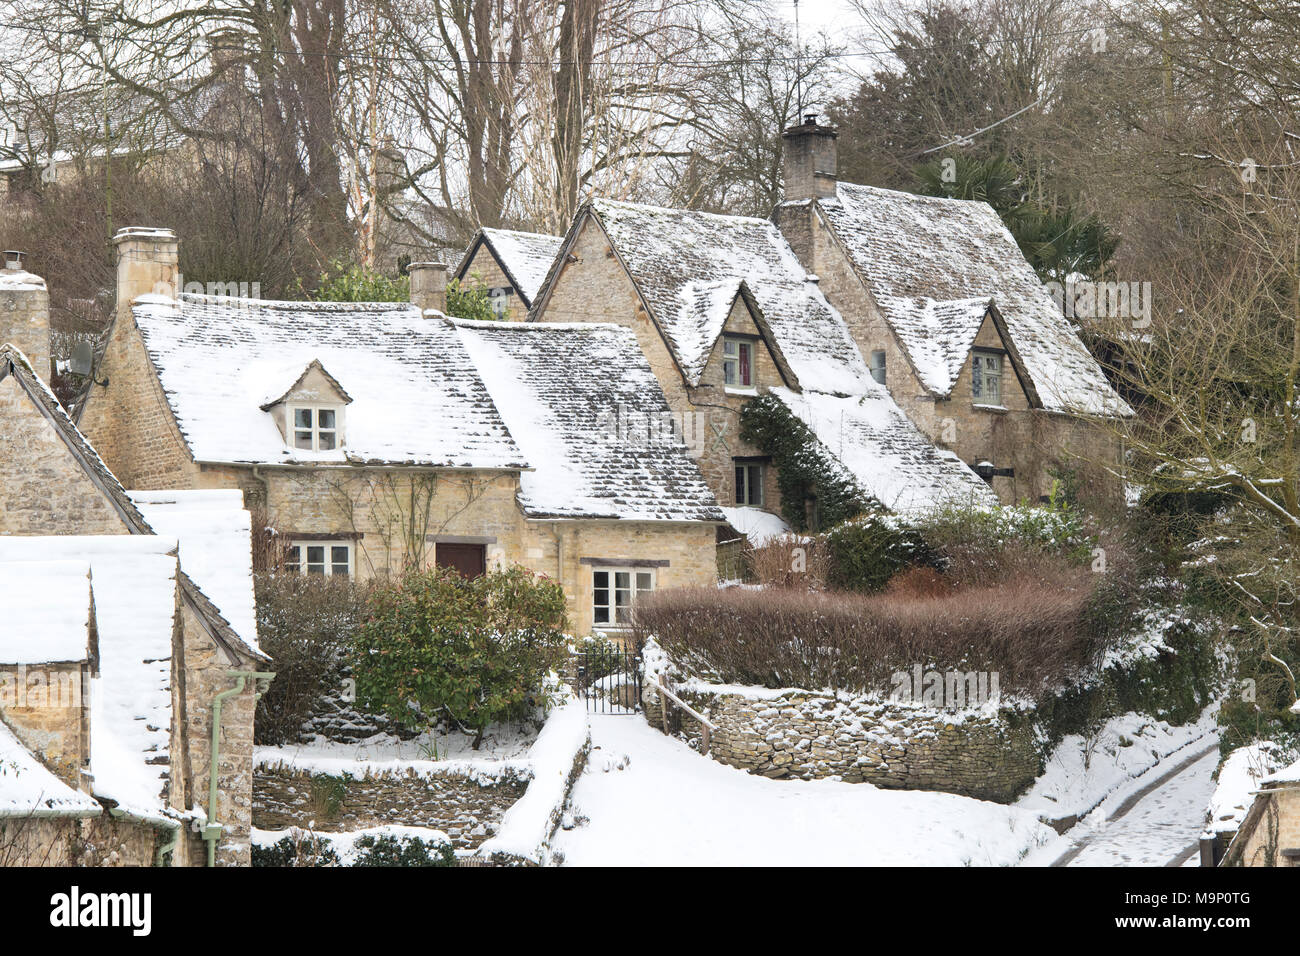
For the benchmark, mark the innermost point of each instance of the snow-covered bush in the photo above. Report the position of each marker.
(866, 552)
(436, 646)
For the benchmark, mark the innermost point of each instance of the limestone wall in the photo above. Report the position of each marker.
(466, 805)
(484, 272)
(803, 735)
(94, 842)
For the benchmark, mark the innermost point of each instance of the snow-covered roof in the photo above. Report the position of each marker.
(938, 336)
(13, 362)
(583, 403)
(415, 397)
(525, 257)
(135, 581)
(915, 250)
(20, 280)
(689, 268)
(887, 455)
(757, 525)
(45, 612)
(26, 786)
(215, 534)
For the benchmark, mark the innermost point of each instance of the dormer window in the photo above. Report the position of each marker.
(878, 365)
(737, 363)
(314, 427)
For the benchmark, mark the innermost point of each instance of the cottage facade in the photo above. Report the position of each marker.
(111, 694)
(375, 437)
(954, 322)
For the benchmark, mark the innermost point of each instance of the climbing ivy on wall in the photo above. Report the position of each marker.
(805, 470)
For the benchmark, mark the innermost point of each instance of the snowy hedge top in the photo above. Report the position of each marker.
(885, 453)
(215, 534)
(587, 410)
(910, 249)
(525, 257)
(26, 786)
(689, 267)
(134, 581)
(416, 399)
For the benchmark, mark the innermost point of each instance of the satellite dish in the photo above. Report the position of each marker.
(83, 357)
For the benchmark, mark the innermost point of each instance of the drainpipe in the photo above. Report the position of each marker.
(212, 830)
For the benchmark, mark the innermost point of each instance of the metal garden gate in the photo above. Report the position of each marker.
(608, 679)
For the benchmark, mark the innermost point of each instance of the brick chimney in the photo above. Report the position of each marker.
(811, 160)
(146, 264)
(25, 313)
(428, 285)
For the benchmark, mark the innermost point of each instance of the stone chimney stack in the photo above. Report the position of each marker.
(428, 285)
(25, 313)
(146, 265)
(811, 160)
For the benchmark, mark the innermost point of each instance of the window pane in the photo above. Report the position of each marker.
(740, 484)
(302, 418)
(622, 580)
(325, 418)
(602, 598)
(729, 372)
(644, 581)
(745, 376)
(325, 441)
(316, 554)
(602, 615)
(302, 440)
(601, 579)
(728, 347)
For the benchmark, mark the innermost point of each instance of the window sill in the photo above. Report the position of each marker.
(995, 409)
(736, 390)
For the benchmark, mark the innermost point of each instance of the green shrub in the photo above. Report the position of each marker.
(469, 302)
(403, 851)
(866, 552)
(307, 623)
(436, 645)
(303, 851)
(355, 284)
(806, 472)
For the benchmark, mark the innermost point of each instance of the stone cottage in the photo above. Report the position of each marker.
(954, 322)
(123, 649)
(511, 265)
(724, 312)
(1269, 834)
(374, 437)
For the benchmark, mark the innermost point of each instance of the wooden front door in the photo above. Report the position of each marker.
(469, 559)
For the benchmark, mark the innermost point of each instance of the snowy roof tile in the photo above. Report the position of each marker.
(416, 399)
(601, 443)
(911, 250)
(689, 268)
(45, 612)
(938, 336)
(27, 786)
(214, 530)
(525, 257)
(135, 580)
(887, 455)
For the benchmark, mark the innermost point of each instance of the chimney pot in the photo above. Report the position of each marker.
(14, 259)
(428, 285)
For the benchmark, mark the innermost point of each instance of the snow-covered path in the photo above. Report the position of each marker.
(671, 806)
(1157, 828)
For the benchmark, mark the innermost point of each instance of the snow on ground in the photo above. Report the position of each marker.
(1238, 780)
(1160, 828)
(651, 800)
(1081, 772)
(757, 525)
(345, 844)
(504, 743)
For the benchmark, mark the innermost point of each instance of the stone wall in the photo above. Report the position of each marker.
(25, 318)
(484, 272)
(1271, 827)
(808, 736)
(466, 805)
(93, 842)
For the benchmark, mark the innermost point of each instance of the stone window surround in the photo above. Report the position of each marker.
(291, 428)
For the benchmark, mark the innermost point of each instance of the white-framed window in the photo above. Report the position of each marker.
(327, 558)
(878, 365)
(986, 381)
(614, 593)
(314, 427)
(749, 483)
(737, 362)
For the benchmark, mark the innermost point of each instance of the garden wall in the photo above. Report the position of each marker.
(799, 734)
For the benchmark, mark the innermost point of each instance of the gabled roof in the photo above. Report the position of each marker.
(525, 258)
(581, 400)
(416, 398)
(688, 268)
(910, 250)
(885, 453)
(13, 362)
(46, 612)
(135, 580)
(937, 336)
(278, 394)
(27, 786)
